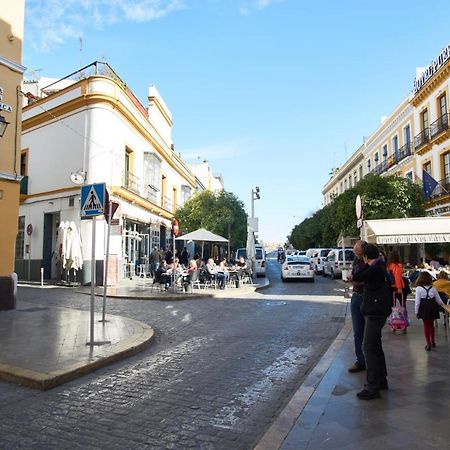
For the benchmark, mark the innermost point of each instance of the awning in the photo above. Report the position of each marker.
(416, 230)
(202, 235)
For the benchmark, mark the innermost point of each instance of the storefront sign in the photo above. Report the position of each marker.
(4, 106)
(414, 239)
(429, 71)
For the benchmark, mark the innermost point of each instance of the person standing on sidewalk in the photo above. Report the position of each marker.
(355, 307)
(395, 269)
(427, 307)
(375, 307)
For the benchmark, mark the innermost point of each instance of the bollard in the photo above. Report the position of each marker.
(42, 277)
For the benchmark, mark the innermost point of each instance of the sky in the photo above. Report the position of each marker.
(273, 93)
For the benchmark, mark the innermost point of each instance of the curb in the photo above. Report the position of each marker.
(48, 380)
(278, 431)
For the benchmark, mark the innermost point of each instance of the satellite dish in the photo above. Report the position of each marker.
(77, 178)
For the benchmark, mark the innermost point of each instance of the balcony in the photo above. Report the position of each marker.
(401, 154)
(131, 182)
(24, 186)
(441, 193)
(421, 140)
(438, 127)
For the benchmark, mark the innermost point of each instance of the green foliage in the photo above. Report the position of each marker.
(214, 212)
(383, 198)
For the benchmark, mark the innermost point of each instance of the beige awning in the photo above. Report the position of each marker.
(416, 230)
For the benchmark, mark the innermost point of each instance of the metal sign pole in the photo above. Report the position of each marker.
(105, 282)
(173, 265)
(29, 257)
(91, 334)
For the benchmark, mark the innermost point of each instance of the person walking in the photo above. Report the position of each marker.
(154, 260)
(426, 307)
(375, 307)
(355, 307)
(395, 269)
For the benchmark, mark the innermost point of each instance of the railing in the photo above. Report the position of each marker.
(24, 186)
(399, 155)
(442, 189)
(131, 182)
(150, 194)
(422, 138)
(439, 126)
(167, 203)
(97, 68)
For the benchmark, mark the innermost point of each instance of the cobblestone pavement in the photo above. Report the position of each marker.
(217, 375)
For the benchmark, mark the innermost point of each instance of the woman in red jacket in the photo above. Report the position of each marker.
(395, 268)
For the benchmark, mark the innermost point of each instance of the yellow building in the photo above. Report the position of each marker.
(414, 138)
(11, 70)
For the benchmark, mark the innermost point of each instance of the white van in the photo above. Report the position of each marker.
(260, 260)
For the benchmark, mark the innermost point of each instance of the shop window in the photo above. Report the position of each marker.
(20, 239)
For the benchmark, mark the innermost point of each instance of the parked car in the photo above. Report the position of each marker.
(260, 260)
(334, 262)
(318, 258)
(297, 267)
(242, 251)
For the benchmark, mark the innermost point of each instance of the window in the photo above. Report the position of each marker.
(20, 239)
(368, 165)
(342, 188)
(409, 175)
(427, 167)
(407, 135)
(185, 194)
(446, 167)
(442, 105)
(23, 163)
(376, 159)
(395, 145)
(424, 119)
(355, 178)
(345, 184)
(360, 172)
(152, 176)
(350, 181)
(385, 152)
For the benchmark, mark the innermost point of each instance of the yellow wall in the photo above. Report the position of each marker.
(11, 36)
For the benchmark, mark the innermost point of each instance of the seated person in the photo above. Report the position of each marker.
(244, 268)
(216, 272)
(186, 274)
(442, 283)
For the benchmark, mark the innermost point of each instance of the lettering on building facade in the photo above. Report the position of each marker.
(430, 70)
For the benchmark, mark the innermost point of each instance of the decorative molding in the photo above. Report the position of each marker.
(12, 65)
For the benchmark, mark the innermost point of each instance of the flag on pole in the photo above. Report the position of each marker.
(429, 184)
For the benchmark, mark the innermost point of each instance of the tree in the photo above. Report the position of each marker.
(383, 198)
(215, 212)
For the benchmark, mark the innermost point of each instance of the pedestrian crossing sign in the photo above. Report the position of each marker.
(92, 200)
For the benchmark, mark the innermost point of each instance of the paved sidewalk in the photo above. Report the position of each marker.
(414, 413)
(42, 347)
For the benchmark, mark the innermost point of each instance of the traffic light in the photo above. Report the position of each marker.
(257, 193)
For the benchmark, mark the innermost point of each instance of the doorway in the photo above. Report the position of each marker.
(51, 223)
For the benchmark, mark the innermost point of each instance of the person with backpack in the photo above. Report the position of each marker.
(427, 307)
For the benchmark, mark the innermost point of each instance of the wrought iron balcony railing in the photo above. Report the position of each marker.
(422, 138)
(131, 182)
(439, 126)
(442, 189)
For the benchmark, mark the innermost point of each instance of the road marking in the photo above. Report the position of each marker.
(284, 367)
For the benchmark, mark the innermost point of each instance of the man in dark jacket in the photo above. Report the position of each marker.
(355, 305)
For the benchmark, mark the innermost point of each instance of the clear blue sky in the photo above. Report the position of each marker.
(272, 92)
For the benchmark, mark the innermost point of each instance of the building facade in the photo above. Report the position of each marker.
(90, 128)
(11, 71)
(413, 139)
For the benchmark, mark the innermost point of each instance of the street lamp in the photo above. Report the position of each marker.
(3, 125)
(255, 196)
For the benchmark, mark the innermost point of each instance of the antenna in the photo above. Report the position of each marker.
(81, 51)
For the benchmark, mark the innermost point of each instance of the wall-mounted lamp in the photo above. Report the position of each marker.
(3, 125)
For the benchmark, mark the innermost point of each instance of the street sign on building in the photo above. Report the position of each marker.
(92, 200)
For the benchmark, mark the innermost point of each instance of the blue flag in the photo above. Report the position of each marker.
(429, 184)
